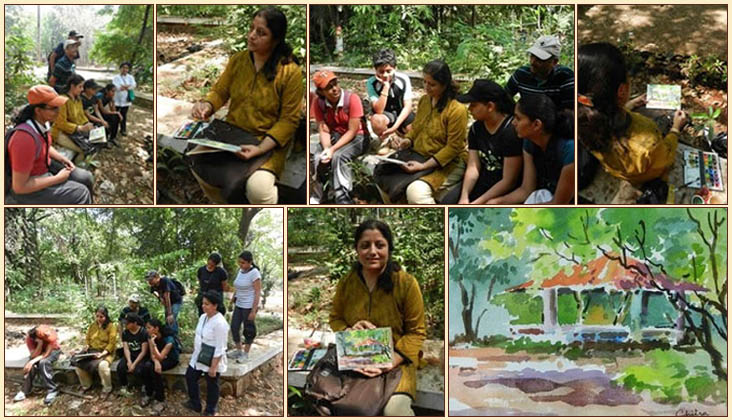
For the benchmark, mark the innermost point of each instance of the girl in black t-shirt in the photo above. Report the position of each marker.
(135, 349)
(211, 277)
(494, 150)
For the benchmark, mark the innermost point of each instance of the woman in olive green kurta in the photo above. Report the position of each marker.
(439, 131)
(101, 338)
(378, 293)
(266, 89)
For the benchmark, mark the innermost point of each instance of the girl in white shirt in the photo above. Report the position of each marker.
(247, 290)
(209, 355)
(124, 82)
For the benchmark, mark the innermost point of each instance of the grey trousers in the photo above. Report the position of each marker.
(44, 367)
(341, 175)
(76, 190)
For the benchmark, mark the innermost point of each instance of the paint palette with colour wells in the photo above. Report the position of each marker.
(702, 168)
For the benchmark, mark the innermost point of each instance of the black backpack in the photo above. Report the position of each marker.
(178, 285)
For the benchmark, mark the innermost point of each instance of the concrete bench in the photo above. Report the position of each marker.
(234, 381)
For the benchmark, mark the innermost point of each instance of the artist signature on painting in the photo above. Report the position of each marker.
(693, 412)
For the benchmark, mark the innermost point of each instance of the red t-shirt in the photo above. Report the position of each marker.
(337, 120)
(22, 152)
(47, 334)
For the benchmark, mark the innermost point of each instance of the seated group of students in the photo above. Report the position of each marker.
(63, 113)
(36, 172)
(513, 153)
(151, 347)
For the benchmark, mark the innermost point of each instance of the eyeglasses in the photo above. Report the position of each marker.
(50, 108)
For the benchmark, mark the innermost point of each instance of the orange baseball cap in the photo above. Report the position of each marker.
(323, 77)
(42, 94)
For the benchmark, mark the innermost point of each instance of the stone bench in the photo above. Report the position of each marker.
(234, 381)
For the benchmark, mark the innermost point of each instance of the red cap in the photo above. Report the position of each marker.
(42, 94)
(322, 78)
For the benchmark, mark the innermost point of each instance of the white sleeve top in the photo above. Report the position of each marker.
(213, 331)
(121, 96)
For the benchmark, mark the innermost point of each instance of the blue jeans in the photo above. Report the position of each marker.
(175, 308)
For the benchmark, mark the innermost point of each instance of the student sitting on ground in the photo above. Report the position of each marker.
(164, 355)
(338, 113)
(105, 103)
(71, 120)
(548, 176)
(265, 87)
(36, 173)
(135, 350)
(494, 150)
(627, 144)
(437, 136)
(89, 102)
(42, 342)
(101, 338)
(390, 93)
(544, 75)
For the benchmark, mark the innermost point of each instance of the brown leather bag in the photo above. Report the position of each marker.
(348, 393)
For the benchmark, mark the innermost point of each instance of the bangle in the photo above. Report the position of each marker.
(385, 94)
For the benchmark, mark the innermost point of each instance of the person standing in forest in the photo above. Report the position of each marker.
(544, 75)
(247, 291)
(168, 293)
(58, 52)
(211, 277)
(124, 94)
(64, 67)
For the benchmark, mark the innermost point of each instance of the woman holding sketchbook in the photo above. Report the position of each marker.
(265, 87)
(378, 293)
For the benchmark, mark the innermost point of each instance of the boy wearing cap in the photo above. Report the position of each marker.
(339, 114)
(390, 93)
(133, 306)
(544, 75)
(495, 157)
(65, 67)
(58, 52)
(36, 173)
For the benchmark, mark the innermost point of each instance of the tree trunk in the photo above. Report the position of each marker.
(142, 34)
(38, 32)
(247, 214)
(467, 312)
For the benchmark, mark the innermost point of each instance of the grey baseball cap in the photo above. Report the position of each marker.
(545, 47)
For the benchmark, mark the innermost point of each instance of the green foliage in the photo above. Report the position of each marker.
(524, 307)
(533, 347)
(708, 70)
(119, 41)
(667, 376)
(18, 68)
(704, 122)
(567, 312)
(479, 41)
(238, 19)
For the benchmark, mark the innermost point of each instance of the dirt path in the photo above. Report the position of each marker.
(677, 29)
(490, 382)
(124, 175)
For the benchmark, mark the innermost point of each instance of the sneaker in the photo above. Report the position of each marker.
(243, 357)
(114, 141)
(125, 392)
(50, 397)
(233, 354)
(189, 405)
(20, 396)
(145, 401)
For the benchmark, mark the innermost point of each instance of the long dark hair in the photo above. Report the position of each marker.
(164, 329)
(28, 112)
(75, 79)
(440, 71)
(248, 257)
(105, 312)
(385, 282)
(601, 70)
(541, 107)
(277, 24)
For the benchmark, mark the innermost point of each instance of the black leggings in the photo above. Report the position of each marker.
(123, 124)
(122, 371)
(154, 383)
(241, 316)
(113, 121)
